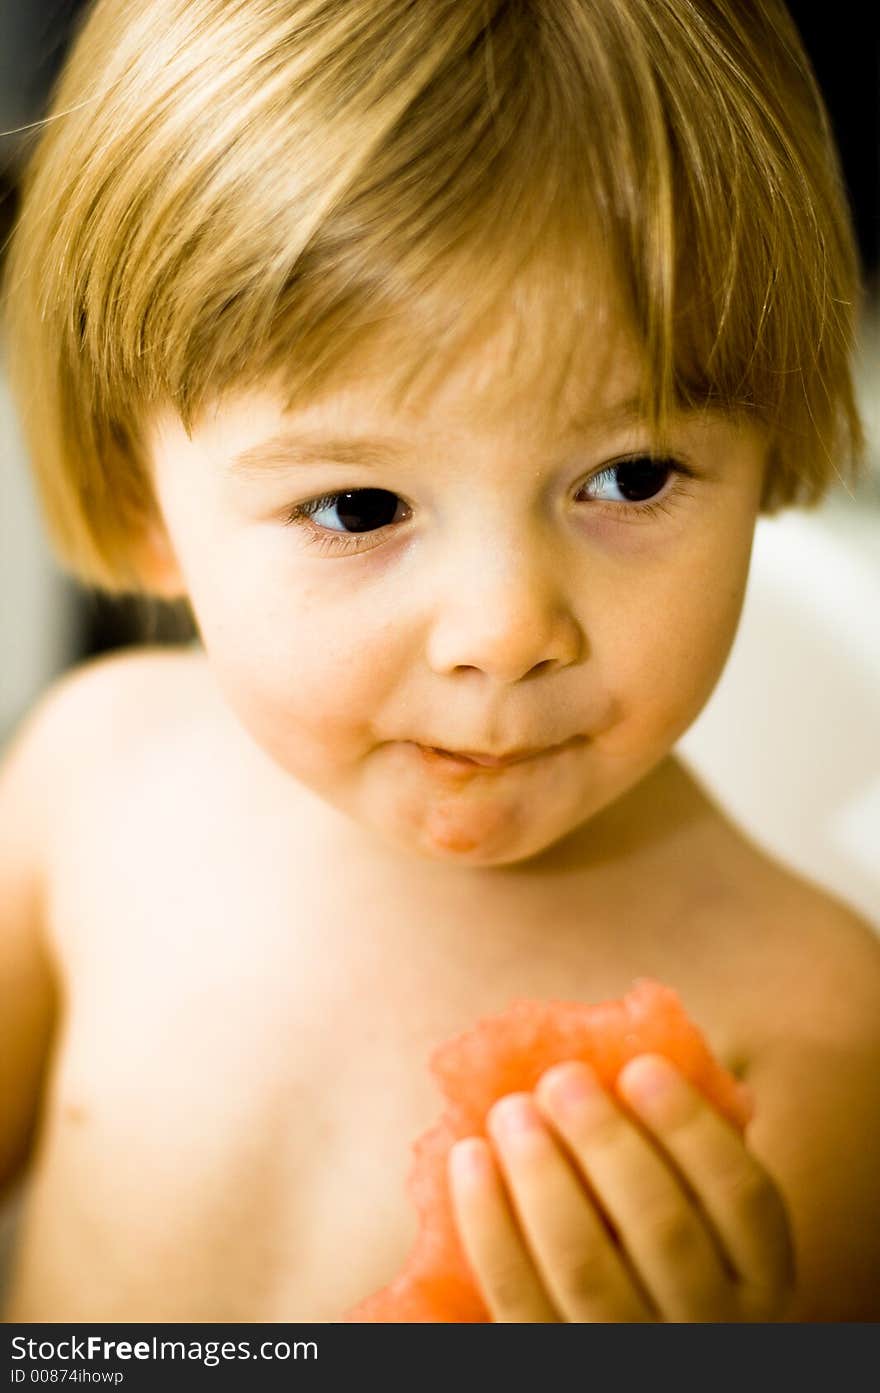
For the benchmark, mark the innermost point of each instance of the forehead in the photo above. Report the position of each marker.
(557, 357)
(480, 398)
(513, 373)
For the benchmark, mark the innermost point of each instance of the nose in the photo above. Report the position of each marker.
(503, 612)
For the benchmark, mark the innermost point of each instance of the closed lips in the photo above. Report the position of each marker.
(489, 761)
(496, 761)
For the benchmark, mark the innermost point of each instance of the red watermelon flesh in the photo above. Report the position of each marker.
(508, 1053)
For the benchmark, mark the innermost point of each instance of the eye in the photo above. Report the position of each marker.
(341, 519)
(638, 481)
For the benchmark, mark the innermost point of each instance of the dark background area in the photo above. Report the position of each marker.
(843, 42)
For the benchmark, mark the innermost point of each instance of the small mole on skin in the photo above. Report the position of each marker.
(739, 1066)
(75, 1112)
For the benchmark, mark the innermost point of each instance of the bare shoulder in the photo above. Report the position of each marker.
(98, 693)
(92, 716)
(87, 716)
(846, 947)
(128, 690)
(821, 963)
(797, 957)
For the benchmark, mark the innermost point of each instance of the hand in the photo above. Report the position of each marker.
(588, 1216)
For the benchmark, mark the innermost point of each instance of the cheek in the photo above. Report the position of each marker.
(677, 637)
(307, 679)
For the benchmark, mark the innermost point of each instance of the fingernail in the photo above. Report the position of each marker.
(570, 1085)
(647, 1078)
(469, 1160)
(515, 1116)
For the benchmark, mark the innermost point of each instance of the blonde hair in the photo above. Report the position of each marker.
(225, 194)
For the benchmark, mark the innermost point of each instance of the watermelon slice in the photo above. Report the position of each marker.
(508, 1053)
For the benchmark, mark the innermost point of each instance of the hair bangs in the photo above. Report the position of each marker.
(228, 196)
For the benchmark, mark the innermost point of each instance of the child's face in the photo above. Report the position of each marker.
(489, 594)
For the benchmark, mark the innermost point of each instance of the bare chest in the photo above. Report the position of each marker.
(242, 1065)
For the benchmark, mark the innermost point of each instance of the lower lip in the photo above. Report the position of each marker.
(440, 759)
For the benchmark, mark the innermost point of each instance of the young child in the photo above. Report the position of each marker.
(441, 356)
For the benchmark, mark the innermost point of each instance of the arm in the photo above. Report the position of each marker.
(817, 1129)
(27, 988)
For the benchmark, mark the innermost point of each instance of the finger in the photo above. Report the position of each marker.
(667, 1238)
(505, 1273)
(739, 1196)
(573, 1250)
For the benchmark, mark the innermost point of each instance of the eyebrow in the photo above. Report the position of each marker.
(295, 447)
(315, 447)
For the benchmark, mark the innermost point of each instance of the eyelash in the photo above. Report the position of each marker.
(348, 543)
